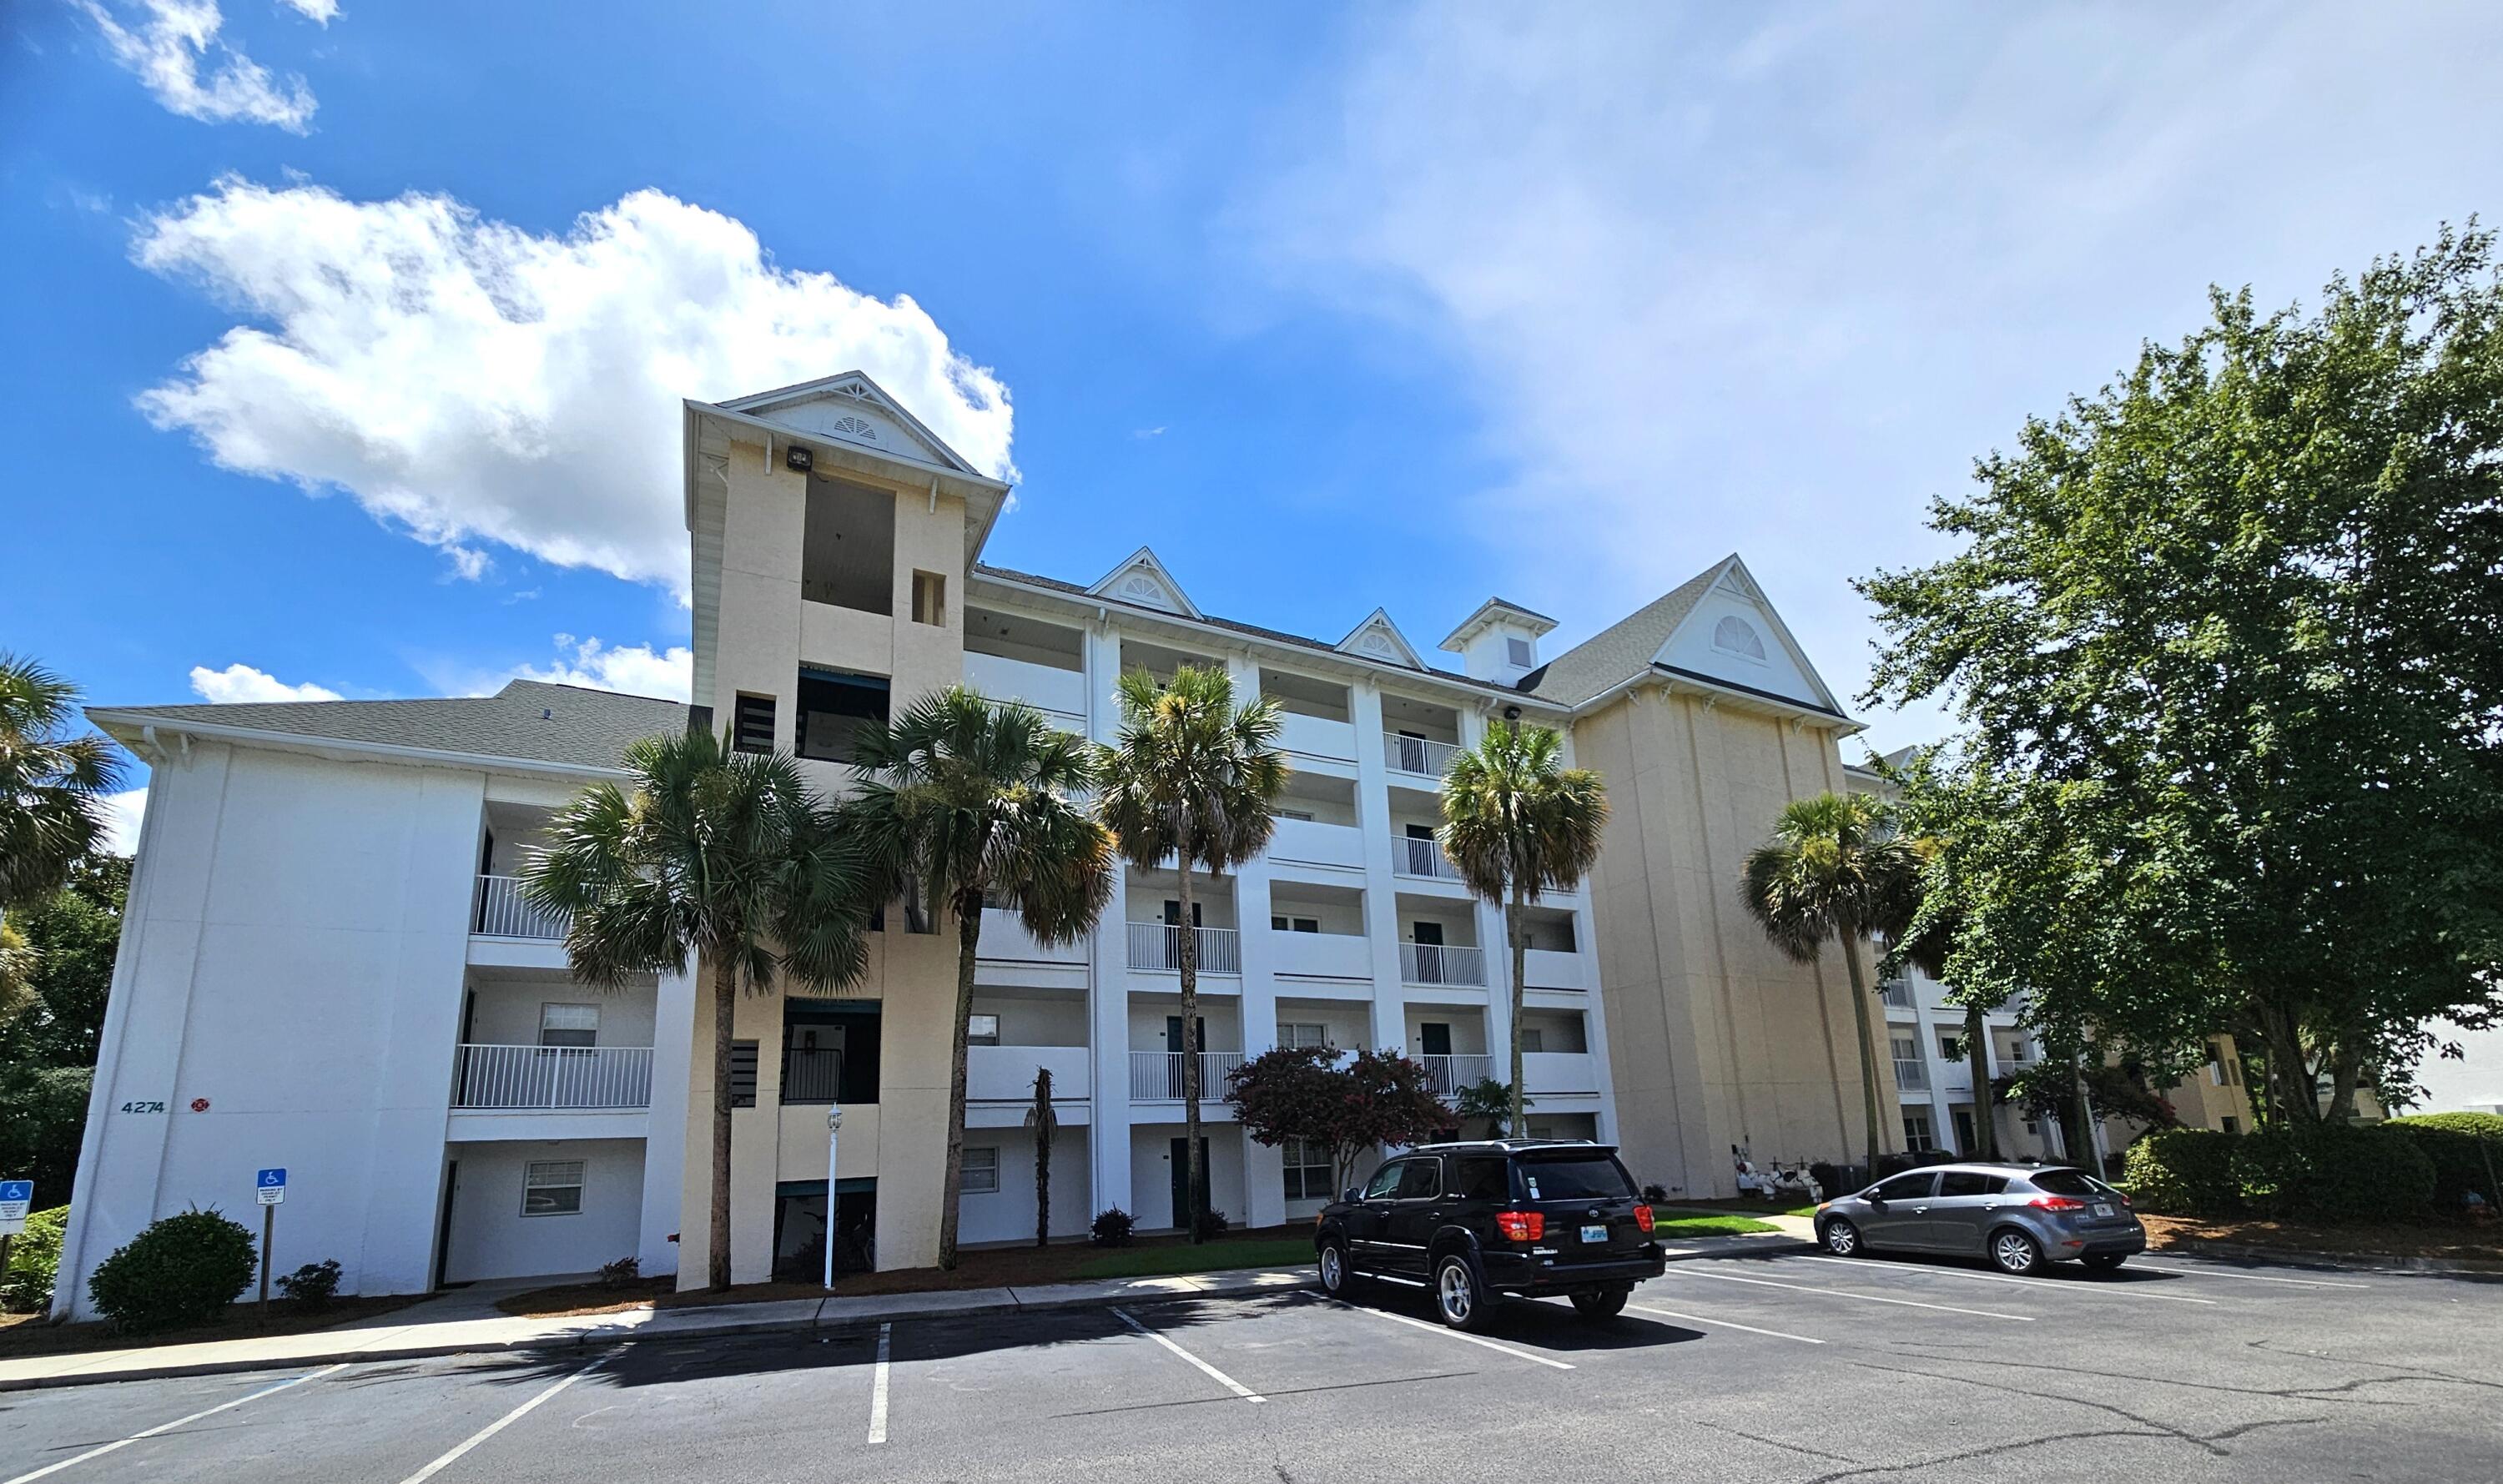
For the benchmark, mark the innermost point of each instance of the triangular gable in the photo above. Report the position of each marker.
(1378, 638)
(1141, 579)
(851, 408)
(1733, 633)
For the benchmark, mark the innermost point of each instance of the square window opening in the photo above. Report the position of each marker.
(982, 1171)
(552, 1187)
(835, 709)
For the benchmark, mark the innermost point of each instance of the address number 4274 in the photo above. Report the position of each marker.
(142, 1107)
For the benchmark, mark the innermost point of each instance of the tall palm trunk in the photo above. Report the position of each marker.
(1188, 961)
(1512, 912)
(725, 1025)
(1977, 1054)
(969, 940)
(1047, 1126)
(1867, 1041)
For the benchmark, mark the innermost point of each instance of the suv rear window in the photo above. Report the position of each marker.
(1481, 1178)
(2069, 1182)
(1576, 1178)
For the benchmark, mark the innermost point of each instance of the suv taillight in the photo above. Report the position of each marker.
(1642, 1219)
(1522, 1226)
(2057, 1204)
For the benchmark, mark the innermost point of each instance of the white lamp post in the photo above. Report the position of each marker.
(834, 1125)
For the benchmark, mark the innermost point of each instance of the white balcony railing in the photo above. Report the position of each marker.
(552, 1077)
(1438, 963)
(1445, 1076)
(1417, 755)
(1157, 947)
(502, 913)
(1897, 993)
(1911, 1075)
(1552, 1072)
(1155, 1076)
(1424, 858)
(1549, 969)
(1005, 1074)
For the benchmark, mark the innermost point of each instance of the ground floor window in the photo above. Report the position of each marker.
(800, 1229)
(1308, 1170)
(552, 1187)
(982, 1171)
(1918, 1137)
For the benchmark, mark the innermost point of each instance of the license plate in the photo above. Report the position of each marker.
(1595, 1235)
(2102, 1209)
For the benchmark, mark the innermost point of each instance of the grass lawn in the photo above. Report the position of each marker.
(1737, 1206)
(1207, 1257)
(1708, 1224)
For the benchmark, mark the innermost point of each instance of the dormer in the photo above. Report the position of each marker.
(1499, 642)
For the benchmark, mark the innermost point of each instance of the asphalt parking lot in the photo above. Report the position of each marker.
(1762, 1368)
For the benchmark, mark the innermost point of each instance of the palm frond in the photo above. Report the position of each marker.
(1514, 814)
(52, 781)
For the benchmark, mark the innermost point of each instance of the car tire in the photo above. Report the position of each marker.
(1460, 1297)
(1600, 1303)
(2104, 1261)
(2013, 1252)
(1338, 1278)
(1842, 1238)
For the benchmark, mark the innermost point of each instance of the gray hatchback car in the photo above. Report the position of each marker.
(2019, 1216)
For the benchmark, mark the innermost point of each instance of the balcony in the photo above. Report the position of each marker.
(1424, 857)
(1910, 1075)
(1316, 736)
(1157, 947)
(1546, 968)
(1897, 995)
(1445, 1076)
(574, 1077)
(1155, 1076)
(502, 913)
(1958, 1078)
(1005, 1074)
(1321, 955)
(812, 1074)
(1039, 685)
(1549, 1073)
(1439, 964)
(1314, 843)
(1005, 938)
(1421, 756)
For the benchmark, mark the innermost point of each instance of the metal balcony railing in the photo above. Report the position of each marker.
(1424, 858)
(1438, 963)
(811, 1073)
(1897, 993)
(1155, 1076)
(552, 1077)
(1911, 1075)
(1417, 755)
(1446, 1075)
(1157, 946)
(502, 913)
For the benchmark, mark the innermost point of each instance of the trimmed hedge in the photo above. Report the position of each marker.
(181, 1270)
(2326, 1174)
(34, 1259)
(2183, 1172)
(2468, 1154)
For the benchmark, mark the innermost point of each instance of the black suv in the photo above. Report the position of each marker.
(1503, 1215)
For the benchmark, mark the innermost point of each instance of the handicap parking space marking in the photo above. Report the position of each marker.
(1674, 1271)
(1719, 1324)
(1449, 1333)
(161, 1428)
(1214, 1374)
(2248, 1277)
(2100, 1287)
(462, 1449)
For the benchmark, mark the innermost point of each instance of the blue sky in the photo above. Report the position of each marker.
(344, 334)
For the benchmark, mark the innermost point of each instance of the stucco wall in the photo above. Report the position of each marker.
(491, 1237)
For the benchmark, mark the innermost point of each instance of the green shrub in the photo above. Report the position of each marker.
(2468, 1154)
(312, 1286)
(34, 1258)
(2333, 1174)
(2184, 1172)
(181, 1270)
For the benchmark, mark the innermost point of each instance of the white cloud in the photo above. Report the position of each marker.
(166, 44)
(637, 670)
(123, 813)
(1731, 277)
(470, 381)
(319, 12)
(240, 682)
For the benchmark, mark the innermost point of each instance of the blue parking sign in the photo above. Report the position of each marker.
(273, 1186)
(15, 1196)
(17, 1189)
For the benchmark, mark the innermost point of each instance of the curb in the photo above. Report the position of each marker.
(2342, 1261)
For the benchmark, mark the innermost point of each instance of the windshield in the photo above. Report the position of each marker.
(2069, 1182)
(1576, 1178)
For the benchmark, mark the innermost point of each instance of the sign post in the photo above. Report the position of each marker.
(16, 1197)
(271, 1186)
(834, 1125)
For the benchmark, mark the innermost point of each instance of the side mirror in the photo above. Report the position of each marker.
(1352, 1194)
(1875, 1201)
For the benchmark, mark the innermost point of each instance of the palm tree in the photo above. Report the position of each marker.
(1836, 867)
(52, 784)
(1192, 779)
(1517, 823)
(969, 803)
(726, 857)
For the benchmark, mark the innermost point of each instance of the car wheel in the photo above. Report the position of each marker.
(2013, 1252)
(1461, 1298)
(1601, 1302)
(1842, 1238)
(1337, 1278)
(2104, 1262)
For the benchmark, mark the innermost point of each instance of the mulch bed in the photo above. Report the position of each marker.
(24, 1334)
(2449, 1242)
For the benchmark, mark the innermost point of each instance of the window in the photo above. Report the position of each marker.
(1173, 912)
(1575, 1177)
(834, 706)
(1303, 1033)
(1308, 1170)
(1305, 815)
(1517, 650)
(552, 1187)
(1951, 1045)
(743, 1074)
(753, 730)
(1969, 1182)
(981, 1031)
(1384, 1181)
(1294, 924)
(848, 546)
(1918, 1137)
(982, 1171)
(1915, 1185)
(1420, 1179)
(1532, 1039)
(2070, 1182)
(569, 1025)
(1734, 635)
(2230, 1124)
(1482, 1179)
(929, 598)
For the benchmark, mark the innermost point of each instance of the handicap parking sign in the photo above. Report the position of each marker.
(273, 1186)
(15, 1196)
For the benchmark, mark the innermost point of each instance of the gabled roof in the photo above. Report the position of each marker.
(1622, 649)
(1378, 638)
(1496, 610)
(529, 720)
(782, 407)
(1141, 579)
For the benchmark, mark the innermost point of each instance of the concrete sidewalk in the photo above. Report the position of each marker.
(408, 1334)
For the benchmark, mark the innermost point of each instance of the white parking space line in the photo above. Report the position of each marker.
(1213, 1373)
(1720, 1324)
(2247, 1277)
(1451, 1333)
(2068, 1285)
(168, 1427)
(1836, 1293)
(878, 1385)
(462, 1449)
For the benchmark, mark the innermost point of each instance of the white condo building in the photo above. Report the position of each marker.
(325, 965)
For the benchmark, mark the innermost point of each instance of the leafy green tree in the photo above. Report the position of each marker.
(52, 783)
(1192, 779)
(2220, 639)
(1836, 869)
(1489, 1099)
(48, 1050)
(724, 857)
(1518, 823)
(967, 803)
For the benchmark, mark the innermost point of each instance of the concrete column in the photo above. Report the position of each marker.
(1263, 1201)
(1381, 890)
(665, 1137)
(1108, 994)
